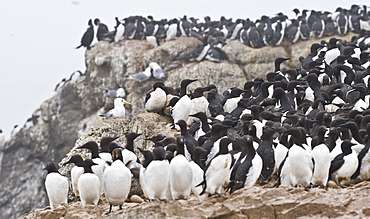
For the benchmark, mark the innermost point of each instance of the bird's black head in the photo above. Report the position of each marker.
(96, 21)
(50, 167)
(76, 159)
(159, 153)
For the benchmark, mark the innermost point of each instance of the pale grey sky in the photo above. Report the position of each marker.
(38, 38)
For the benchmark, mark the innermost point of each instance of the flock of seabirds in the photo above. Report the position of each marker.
(299, 127)
(267, 31)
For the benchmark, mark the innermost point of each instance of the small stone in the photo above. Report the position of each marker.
(136, 199)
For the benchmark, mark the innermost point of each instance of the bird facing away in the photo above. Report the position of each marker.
(117, 181)
(89, 184)
(56, 185)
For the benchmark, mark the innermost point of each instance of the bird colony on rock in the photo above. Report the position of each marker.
(297, 127)
(266, 31)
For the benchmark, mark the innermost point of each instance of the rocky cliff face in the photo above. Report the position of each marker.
(75, 107)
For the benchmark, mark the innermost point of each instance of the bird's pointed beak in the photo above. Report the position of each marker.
(127, 102)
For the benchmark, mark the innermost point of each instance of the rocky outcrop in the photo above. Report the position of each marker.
(75, 107)
(255, 202)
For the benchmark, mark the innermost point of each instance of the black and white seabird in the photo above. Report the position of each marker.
(300, 160)
(344, 165)
(185, 27)
(199, 104)
(189, 140)
(117, 181)
(171, 31)
(342, 21)
(128, 153)
(321, 157)
(249, 166)
(181, 174)
(181, 109)
(76, 172)
(148, 157)
(89, 184)
(198, 172)
(266, 152)
(292, 32)
(154, 179)
(129, 157)
(217, 172)
(130, 27)
(140, 28)
(100, 164)
(215, 107)
(203, 127)
(119, 31)
(56, 185)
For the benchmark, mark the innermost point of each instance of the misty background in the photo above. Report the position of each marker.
(38, 39)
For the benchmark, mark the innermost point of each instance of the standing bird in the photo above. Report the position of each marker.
(171, 31)
(182, 107)
(102, 29)
(56, 185)
(300, 160)
(215, 107)
(119, 31)
(344, 165)
(189, 141)
(118, 110)
(249, 166)
(88, 36)
(181, 175)
(99, 166)
(129, 157)
(199, 103)
(185, 26)
(217, 172)
(203, 126)
(117, 181)
(321, 156)
(154, 179)
(128, 153)
(198, 171)
(89, 185)
(266, 152)
(76, 172)
(155, 101)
